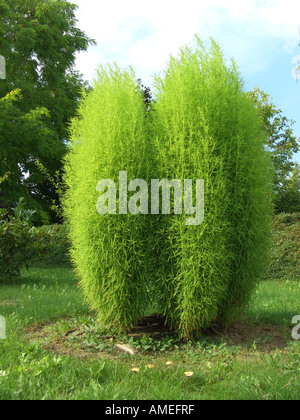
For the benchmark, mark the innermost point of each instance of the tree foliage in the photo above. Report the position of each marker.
(281, 141)
(39, 40)
(287, 199)
(23, 136)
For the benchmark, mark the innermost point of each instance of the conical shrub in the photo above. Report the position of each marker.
(109, 251)
(202, 131)
(206, 128)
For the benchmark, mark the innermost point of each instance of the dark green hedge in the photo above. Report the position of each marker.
(15, 241)
(284, 255)
(50, 245)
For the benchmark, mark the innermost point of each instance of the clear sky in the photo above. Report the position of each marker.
(262, 36)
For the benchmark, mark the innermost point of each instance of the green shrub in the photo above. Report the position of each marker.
(50, 245)
(203, 126)
(15, 241)
(23, 245)
(109, 251)
(284, 255)
(287, 201)
(206, 128)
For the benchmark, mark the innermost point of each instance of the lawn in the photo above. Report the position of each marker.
(54, 349)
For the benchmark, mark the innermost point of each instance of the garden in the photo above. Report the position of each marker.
(107, 294)
(55, 349)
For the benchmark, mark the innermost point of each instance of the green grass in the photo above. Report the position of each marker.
(276, 301)
(39, 361)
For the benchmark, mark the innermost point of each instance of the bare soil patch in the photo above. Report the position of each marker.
(153, 325)
(8, 303)
(74, 342)
(266, 337)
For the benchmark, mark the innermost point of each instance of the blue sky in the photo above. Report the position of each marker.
(261, 35)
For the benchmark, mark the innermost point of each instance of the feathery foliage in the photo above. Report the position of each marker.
(206, 128)
(202, 125)
(109, 251)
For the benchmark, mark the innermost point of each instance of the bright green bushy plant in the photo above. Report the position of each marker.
(201, 125)
(110, 251)
(206, 128)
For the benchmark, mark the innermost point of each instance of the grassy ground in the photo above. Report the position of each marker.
(55, 350)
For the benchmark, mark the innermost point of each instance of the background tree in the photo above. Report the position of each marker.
(287, 200)
(22, 134)
(39, 40)
(281, 142)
